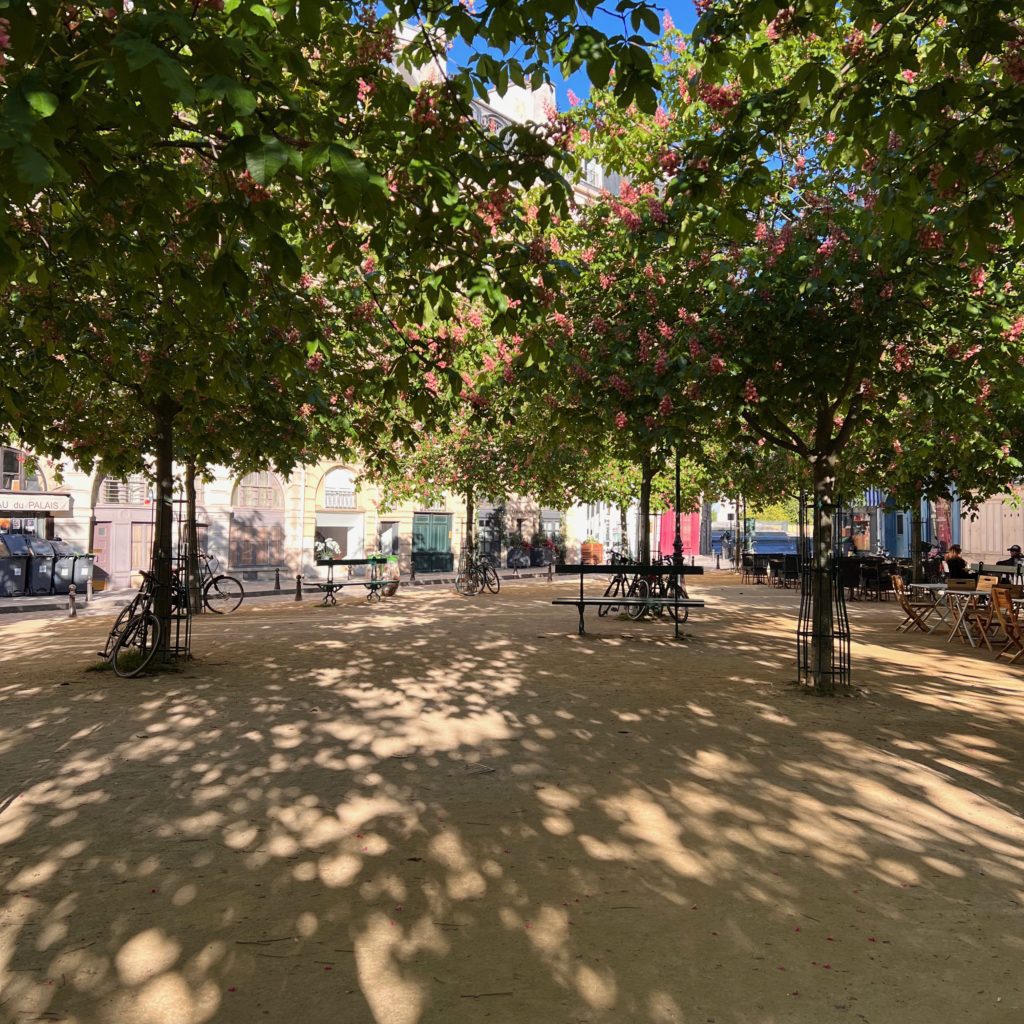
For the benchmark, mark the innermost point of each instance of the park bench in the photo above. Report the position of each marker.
(581, 603)
(376, 583)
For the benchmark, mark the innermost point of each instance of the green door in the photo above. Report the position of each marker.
(432, 542)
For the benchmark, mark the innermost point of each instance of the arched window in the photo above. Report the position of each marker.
(259, 490)
(132, 490)
(15, 475)
(339, 489)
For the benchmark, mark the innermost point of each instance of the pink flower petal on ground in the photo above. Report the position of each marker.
(232, 989)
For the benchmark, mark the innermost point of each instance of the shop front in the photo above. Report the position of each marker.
(33, 512)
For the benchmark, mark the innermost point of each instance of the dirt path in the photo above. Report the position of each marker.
(449, 811)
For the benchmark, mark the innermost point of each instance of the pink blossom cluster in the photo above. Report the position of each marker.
(564, 323)
(931, 238)
(1015, 331)
(620, 385)
(703, 6)
(1012, 59)
(780, 25)
(365, 90)
(717, 364)
(720, 98)
(627, 216)
(901, 358)
(669, 161)
(657, 211)
(621, 419)
(661, 362)
(665, 406)
(750, 392)
(315, 362)
(5, 37)
(978, 279)
(696, 349)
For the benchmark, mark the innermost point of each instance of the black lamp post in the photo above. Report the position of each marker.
(677, 544)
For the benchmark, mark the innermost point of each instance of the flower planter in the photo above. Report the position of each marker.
(591, 553)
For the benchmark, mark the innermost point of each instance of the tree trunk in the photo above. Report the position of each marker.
(624, 527)
(646, 478)
(916, 522)
(163, 414)
(195, 594)
(822, 640)
(741, 533)
(469, 520)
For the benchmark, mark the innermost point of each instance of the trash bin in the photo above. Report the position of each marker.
(83, 572)
(14, 565)
(63, 566)
(40, 570)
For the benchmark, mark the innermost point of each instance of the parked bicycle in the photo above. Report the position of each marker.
(476, 573)
(134, 638)
(222, 594)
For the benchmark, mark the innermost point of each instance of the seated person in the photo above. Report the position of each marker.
(956, 567)
(1015, 557)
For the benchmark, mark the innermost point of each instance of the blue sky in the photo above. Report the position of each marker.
(683, 15)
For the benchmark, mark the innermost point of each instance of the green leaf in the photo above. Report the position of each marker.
(266, 158)
(33, 168)
(43, 103)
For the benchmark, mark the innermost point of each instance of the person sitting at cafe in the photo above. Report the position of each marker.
(1015, 557)
(956, 566)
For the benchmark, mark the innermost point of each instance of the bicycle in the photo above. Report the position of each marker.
(476, 573)
(135, 636)
(222, 594)
(663, 593)
(622, 585)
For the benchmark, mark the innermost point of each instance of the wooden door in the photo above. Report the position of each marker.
(432, 542)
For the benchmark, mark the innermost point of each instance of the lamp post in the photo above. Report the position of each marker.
(677, 544)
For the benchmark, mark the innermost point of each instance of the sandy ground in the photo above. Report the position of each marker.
(456, 810)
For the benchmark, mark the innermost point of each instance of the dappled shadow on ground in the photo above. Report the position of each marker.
(448, 810)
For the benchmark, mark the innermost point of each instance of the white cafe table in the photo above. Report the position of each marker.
(963, 599)
(936, 591)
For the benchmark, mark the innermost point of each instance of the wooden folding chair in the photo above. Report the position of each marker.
(915, 610)
(1006, 616)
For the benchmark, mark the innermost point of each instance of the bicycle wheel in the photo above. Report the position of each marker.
(491, 579)
(136, 646)
(223, 594)
(676, 591)
(465, 584)
(641, 591)
(658, 595)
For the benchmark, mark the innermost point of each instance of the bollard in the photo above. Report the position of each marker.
(277, 578)
(551, 572)
(718, 560)
(72, 597)
(298, 587)
(692, 562)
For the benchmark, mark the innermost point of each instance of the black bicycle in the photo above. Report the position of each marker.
(625, 584)
(221, 593)
(134, 638)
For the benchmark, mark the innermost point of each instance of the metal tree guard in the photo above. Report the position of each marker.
(811, 646)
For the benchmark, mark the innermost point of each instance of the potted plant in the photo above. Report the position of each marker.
(591, 551)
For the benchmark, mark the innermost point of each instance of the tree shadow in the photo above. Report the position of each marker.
(440, 809)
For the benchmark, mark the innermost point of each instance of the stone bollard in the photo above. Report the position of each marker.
(551, 572)
(72, 598)
(277, 578)
(718, 560)
(298, 587)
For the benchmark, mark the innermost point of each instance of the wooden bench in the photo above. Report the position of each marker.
(377, 586)
(581, 603)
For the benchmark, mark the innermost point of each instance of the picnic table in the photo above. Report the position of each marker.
(377, 584)
(619, 600)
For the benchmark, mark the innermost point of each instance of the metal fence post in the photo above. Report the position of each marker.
(298, 586)
(277, 578)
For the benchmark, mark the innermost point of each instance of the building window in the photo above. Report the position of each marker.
(15, 476)
(593, 173)
(259, 490)
(142, 545)
(339, 489)
(134, 490)
(256, 544)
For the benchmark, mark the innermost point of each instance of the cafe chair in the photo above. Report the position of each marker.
(915, 610)
(1006, 616)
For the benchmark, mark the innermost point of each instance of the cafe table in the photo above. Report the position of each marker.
(935, 591)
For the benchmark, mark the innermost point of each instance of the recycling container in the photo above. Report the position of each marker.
(83, 571)
(13, 564)
(64, 557)
(40, 568)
